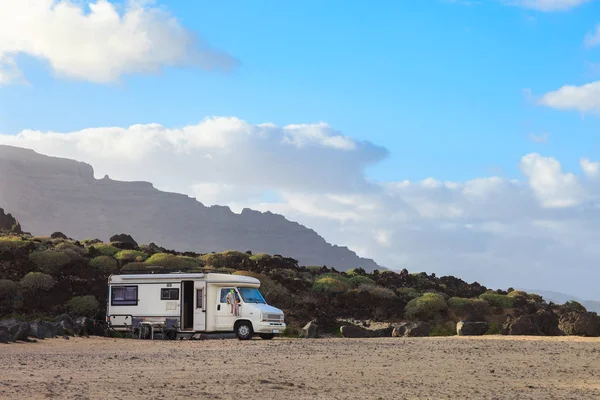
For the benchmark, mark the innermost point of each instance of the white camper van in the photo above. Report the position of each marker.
(192, 303)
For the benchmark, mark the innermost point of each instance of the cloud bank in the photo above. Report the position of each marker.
(548, 5)
(95, 42)
(538, 231)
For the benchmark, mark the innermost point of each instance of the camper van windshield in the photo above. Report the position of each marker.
(251, 295)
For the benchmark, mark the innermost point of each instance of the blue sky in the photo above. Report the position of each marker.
(438, 84)
(455, 91)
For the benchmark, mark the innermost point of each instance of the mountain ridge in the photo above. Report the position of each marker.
(48, 193)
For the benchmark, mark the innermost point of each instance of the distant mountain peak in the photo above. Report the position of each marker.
(58, 194)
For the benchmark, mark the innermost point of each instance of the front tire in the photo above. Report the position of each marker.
(243, 330)
(267, 336)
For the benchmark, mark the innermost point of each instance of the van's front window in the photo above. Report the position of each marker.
(251, 295)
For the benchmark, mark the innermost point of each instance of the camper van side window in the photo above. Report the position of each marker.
(124, 296)
(169, 294)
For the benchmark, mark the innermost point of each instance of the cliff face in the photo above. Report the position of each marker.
(51, 194)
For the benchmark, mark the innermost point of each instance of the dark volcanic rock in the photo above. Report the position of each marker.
(353, 331)
(411, 329)
(580, 324)
(64, 325)
(17, 332)
(471, 328)
(3, 334)
(542, 323)
(42, 330)
(9, 223)
(124, 240)
(82, 326)
(58, 235)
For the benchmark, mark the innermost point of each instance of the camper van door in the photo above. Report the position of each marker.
(199, 305)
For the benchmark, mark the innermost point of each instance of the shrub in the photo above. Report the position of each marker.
(86, 306)
(572, 305)
(260, 256)
(469, 307)
(70, 247)
(131, 255)
(139, 266)
(35, 282)
(104, 263)
(11, 243)
(171, 261)
(227, 259)
(106, 249)
(443, 329)
(356, 272)
(498, 300)
(49, 261)
(9, 293)
(359, 280)
(426, 307)
(378, 292)
(328, 285)
(408, 293)
(517, 293)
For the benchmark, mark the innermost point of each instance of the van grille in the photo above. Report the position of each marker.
(273, 317)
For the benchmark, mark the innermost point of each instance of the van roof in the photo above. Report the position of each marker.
(179, 276)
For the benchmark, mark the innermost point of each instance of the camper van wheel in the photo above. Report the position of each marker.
(267, 336)
(243, 330)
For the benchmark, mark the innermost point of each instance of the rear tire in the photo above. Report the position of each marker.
(243, 330)
(267, 336)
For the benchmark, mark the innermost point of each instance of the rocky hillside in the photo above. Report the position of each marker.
(45, 277)
(49, 194)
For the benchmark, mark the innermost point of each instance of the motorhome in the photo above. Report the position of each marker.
(192, 303)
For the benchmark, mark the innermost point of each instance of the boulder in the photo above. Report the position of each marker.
(3, 334)
(42, 330)
(355, 332)
(471, 328)
(411, 329)
(383, 332)
(310, 330)
(124, 240)
(17, 332)
(59, 235)
(64, 325)
(580, 323)
(83, 326)
(541, 323)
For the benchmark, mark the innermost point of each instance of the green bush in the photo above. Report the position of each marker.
(328, 285)
(71, 247)
(104, 263)
(227, 259)
(140, 266)
(106, 249)
(35, 282)
(572, 305)
(498, 300)
(465, 307)
(131, 256)
(171, 261)
(493, 329)
(517, 293)
(356, 272)
(11, 243)
(49, 261)
(9, 296)
(377, 292)
(260, 256)
(443, 329)
(408, 293)
(358, 280)
(86, 306)
(425, 308)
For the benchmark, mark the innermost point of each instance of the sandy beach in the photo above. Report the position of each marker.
(497, 367)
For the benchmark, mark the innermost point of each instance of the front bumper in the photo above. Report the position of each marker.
(269, 327)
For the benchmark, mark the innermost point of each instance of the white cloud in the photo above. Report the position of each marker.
(585, 98)
(547, 5)
(590, 168)
(592, 39)
(100, 45)
(542, 138)
(532, 232)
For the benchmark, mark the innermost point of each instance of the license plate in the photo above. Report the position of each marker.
(275, 330)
